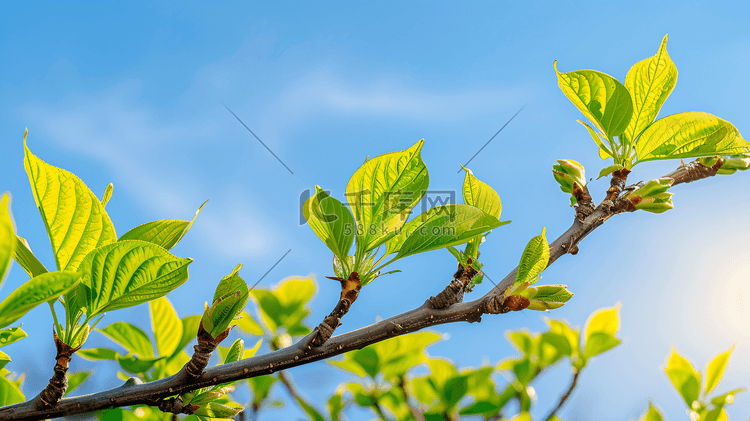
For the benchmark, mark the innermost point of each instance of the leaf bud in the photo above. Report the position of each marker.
(568, 173)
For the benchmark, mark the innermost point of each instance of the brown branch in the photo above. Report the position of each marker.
(58, 384)
(349, 293)
(302, 353)
(565, 396)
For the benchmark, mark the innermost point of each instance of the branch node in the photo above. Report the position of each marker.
(58, 384)
(349, 292)
(206, 345)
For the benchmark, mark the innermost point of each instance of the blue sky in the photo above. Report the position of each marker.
(133, 93)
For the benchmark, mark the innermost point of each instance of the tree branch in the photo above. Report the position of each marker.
(303, 352)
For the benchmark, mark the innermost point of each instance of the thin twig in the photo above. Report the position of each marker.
(565, 396)
(377, 408)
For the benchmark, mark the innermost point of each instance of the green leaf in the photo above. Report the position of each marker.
(129, 273)
(137, 365)
(166, 233)
(335, 406)
(600, 331)
(649, 82)
(189, 330)
(331, 221)
(309, 410)
(10, 335)
(728, 397)
(229, 299)
(454, 390)
(10, 392)
(75, 218)
(652, 414)
(605, 151)
(521, 340)
(4, 359)
(75, 380)
(284, 305)
(547, 297)
(37, 290)
(261, 387)
(533, 260)
(232, 353)
(572, 336)
(609, 170)
(689, 135)
(382, 193)
(442, 226)
(600, 97)
(167, 327)
(7, 236)
(683, 376)
(481, 195)
(392, 357)
(23, 255)
(247, 324)
(715, 369)
(98, 354)
(130, 337)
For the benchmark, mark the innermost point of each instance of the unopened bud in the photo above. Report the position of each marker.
(732, 165)
(657, 203)
(568, 173)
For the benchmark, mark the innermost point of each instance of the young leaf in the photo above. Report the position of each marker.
(129, 273)
(167, 327)
(75, 218)
(600, 97)
(392, 357)
(248, 325)
(23, 255)
(533, 260)
(715, 369)
(609, 170)
(11, 335)
(480, 195)
(166, 233)
(107, 195)
(75, 380)
(649, 82)
(10, 392)
(4, 359)
(604, 150)
(652, 414)
(229, 299)
(233, 353)
(35, 291)
(284, 305)
(7, 236)
(130, 337)
(332, 222)
(683, 376)
(689, 135)
(447, 225)
(600, 331)
(336, 405)
(98, 354)
(382, 193)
